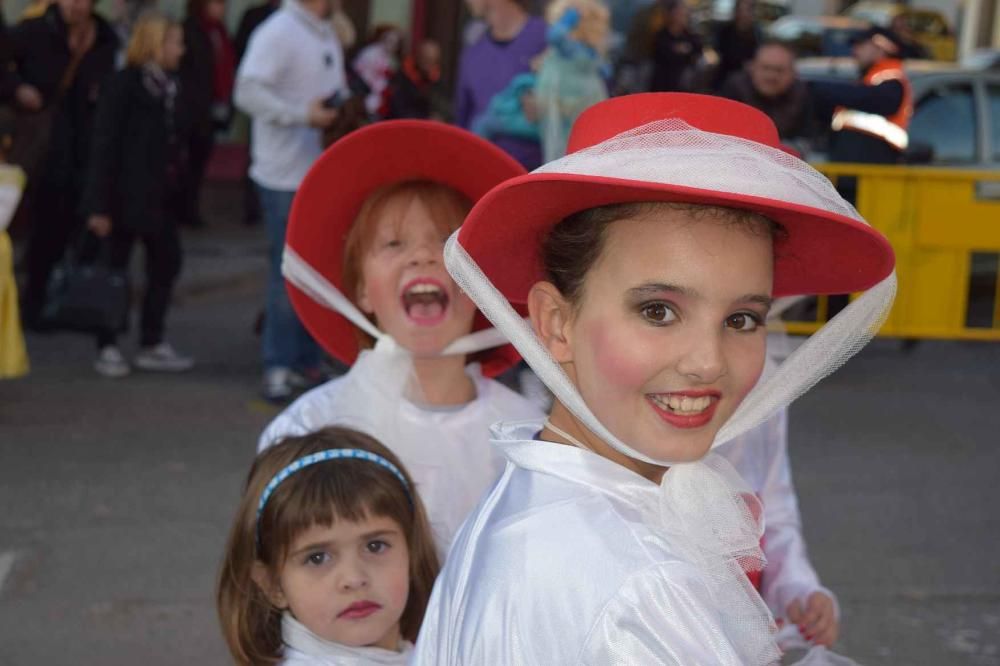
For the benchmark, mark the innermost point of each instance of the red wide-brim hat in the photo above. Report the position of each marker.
(827, 250)
(351, 170)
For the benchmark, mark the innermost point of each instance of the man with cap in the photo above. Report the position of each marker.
(871, 116)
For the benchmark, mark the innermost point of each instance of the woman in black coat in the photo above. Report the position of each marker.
(132, 180)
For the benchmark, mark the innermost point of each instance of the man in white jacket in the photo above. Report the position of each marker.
(292, 64)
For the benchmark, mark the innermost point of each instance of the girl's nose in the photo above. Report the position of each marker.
(425, 252)
(351, 575)
(703, 360)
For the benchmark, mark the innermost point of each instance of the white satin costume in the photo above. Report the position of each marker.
(561, 512)
(445, 450)
(761, 458)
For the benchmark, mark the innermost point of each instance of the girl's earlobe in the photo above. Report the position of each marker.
(362, 299)
(266, 583)
(551, 318)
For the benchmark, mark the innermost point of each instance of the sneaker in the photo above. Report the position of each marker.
(162, 358)
(277, 385)
(111, 363)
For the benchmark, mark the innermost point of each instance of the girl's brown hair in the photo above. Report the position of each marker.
(573, 245)
(148, 35)
(321, 494)
(446, 207)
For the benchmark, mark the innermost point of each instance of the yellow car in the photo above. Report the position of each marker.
(929, 27)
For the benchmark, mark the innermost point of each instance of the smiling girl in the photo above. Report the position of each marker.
(365, 267)
(330, 559)
(648, 258)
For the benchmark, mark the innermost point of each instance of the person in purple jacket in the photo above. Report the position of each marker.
(513, 39)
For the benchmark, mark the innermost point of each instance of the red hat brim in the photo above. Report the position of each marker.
(823, 253)
(333, 191)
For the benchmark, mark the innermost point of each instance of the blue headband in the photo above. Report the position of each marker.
(323, 456)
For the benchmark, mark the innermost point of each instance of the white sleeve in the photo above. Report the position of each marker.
(311, 411)
(789, 575)
(256, 81)
(659, 616)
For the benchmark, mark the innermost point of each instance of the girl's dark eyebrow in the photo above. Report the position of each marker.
(652, 288)
(766, 301)
(380, 533)
(318, 545)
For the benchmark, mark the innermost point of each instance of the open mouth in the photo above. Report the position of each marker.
(425, 301)
(685, 410)
(682, 405)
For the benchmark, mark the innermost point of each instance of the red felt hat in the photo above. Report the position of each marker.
(825, 252)
(337, 185)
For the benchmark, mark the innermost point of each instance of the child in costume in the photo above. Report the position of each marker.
(573, 72)
(13, 353)
(365, 268)
(789, 584)
(648, 258)
(330, 559)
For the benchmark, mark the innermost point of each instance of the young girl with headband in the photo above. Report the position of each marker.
(648, 258)
(330, 559)
(365, 270)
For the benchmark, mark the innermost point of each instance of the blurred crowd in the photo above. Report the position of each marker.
(114, 120)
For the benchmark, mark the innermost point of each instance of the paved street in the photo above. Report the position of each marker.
(116, 495)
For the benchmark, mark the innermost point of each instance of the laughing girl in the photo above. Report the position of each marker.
(365, 267)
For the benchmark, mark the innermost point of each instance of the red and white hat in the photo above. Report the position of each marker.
(332, 193)
(669, 147)
(681, 148)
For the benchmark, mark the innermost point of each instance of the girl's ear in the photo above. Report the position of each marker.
(551, 319)
(263, 579)
(361, 297)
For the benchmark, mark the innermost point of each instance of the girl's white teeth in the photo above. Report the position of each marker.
(683, 404)
(423, 288)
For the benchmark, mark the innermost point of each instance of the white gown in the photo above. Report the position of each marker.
(562, 563)
(304, 648)
(761, 458)
(446, 451)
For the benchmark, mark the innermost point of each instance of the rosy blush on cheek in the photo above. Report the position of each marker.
(618, 362)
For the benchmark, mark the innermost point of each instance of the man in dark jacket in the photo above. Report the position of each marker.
(59, 63)
(769, 83)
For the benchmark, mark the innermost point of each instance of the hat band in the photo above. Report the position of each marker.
(307, 279)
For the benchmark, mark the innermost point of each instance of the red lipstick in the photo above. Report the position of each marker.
(685, 421)
(359, 610)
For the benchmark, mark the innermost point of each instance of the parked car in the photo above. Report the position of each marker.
(817, 35)
(930, 28)
(956, 117)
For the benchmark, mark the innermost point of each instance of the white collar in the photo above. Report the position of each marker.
(518, 442)
(297, 637)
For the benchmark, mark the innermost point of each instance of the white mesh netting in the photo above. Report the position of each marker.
(671, 151)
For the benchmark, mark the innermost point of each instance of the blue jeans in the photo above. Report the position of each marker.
(286, 343)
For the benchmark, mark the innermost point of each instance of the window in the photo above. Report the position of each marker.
(993, 101)
(945, 120)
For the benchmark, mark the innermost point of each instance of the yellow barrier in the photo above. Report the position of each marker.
(944, 225)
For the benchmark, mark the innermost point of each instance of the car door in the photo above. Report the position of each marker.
(946, 118)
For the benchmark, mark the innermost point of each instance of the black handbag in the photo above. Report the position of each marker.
(86, 296)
